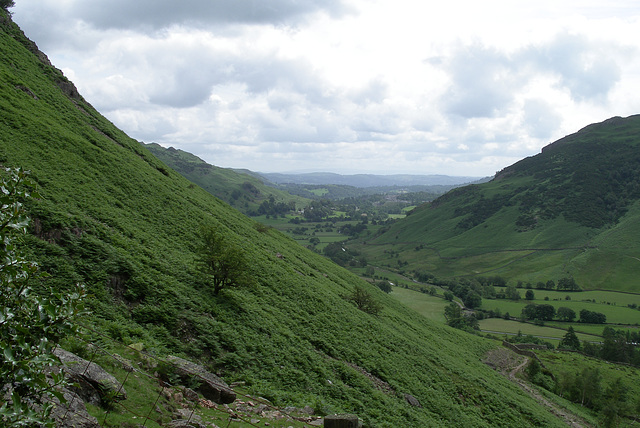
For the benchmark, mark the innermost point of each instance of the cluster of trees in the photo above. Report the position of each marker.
(585, 387)
(592, 317)
(620, 346)
(458, 319)
(344, 256)
(273, 208)
(546, 312)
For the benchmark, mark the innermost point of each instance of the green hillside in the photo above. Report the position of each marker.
(114, 217)
(571, 210)
(244, 192)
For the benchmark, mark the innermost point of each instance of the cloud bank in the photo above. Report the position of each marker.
(346, 86)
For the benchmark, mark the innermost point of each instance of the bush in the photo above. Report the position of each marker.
(30, 325)
(364, 301)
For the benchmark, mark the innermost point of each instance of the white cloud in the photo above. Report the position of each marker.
(464, 88)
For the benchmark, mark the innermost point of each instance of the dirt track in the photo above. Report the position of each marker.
(510, 364)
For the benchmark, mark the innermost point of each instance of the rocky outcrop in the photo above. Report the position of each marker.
(73, 414)
(210, 386)
(93, 384)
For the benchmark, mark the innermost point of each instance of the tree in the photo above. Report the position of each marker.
(512, 293)
(529, 295)
(615, 404)
(588, 386)
(457, 319)
(568, 284)
(566, 314)
(384, 286)
(472, 300)
(31, 325)
(592, 317)
(6, 4)
(570, 340)
(364, 301)
(221, 260)
(448, 295)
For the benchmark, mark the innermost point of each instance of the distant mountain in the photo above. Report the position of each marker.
(367, 180)
(572, 210)
(243, 191)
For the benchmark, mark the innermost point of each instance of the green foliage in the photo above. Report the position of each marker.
(31, 325)
(592, 317)
(543, 312)
(566, 314)
(570, 340)
(6, 4)
(222, 261)
(364, 301)
(457, 319)
(568, 212)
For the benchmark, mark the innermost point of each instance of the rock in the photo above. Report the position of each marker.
(94, 384)
(211, 386)
(412, 400)
(73, 414)
(190, 394)
(186, 418)
(341, 421)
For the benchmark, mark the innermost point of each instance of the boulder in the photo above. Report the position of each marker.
(73, 414)
(412, 400)
(93, 384)
(341, 421)
(210, 386)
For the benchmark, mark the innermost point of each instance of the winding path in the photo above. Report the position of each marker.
(569, 418)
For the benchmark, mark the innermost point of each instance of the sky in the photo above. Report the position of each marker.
(461, 87)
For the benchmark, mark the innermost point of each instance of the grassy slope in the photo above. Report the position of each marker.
(117, 219)
(243, 191)
(597, 247)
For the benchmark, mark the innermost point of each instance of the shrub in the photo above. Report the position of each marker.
(30, 325)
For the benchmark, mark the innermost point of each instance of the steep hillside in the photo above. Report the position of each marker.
(568, 211)
(242, 191)
(117, 219)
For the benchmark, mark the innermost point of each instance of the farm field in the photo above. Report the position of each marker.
(616, 314)
(499, 325)
(431, 307)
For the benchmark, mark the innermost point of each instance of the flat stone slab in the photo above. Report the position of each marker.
(211, 386)
(94, 382)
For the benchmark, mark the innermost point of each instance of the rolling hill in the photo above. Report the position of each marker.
(114, 217)
(572, 210)
(245, 192)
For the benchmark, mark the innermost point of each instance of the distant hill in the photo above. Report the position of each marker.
(243, 191)
(367, 180)
(114, 217)
(572, 210)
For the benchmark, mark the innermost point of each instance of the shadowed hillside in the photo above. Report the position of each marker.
(242, 191)
(114, 217)
(568, 211)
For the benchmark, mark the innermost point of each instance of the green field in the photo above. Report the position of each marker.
(612, 304)
(431, 307)
(499, 325)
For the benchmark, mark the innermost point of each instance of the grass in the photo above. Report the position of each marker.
(498, 325)
(430, 307)
(615, 314)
